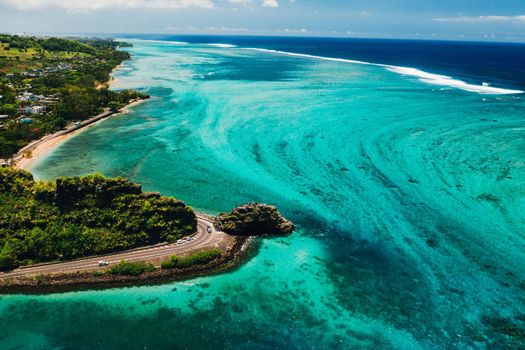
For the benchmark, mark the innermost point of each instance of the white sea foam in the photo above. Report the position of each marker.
(225, 46)
(429, 78)
(157, 41)
(313, 56)
(444, 80)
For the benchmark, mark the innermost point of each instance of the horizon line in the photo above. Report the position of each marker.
(434, 39)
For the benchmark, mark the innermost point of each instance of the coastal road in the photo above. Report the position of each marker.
(201, 239)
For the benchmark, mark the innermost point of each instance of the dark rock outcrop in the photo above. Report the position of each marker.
(254, 220)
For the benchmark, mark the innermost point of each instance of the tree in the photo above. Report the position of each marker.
(6, 263)
(114, 106)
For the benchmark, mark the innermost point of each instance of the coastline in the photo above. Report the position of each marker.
(58, 282)
(80, 281)
(32, 152)
(112, 79)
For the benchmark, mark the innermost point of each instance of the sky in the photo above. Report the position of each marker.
(493, 20)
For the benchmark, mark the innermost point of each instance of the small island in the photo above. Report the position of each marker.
(96, 232)
(254, 219)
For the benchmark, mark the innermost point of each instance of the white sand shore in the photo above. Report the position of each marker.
(28, 155)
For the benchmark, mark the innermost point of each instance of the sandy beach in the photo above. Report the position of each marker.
(112, 80)
(28, 155)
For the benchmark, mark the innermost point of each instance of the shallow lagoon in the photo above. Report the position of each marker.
(409, 199)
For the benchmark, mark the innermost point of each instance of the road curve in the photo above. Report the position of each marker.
(201, 239)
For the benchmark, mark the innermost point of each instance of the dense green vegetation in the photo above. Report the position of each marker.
(49, 44)
(81, 216)
(198, 258)
(62, 76)
(254, 220)
(126, 268)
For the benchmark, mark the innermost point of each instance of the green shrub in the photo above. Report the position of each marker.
(127, 268)
(44, 191)
(198, 258)
(114, 106)
(171, 263)
(6, 263)
(16, 182)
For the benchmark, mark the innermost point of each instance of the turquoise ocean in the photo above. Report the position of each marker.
(408, 190)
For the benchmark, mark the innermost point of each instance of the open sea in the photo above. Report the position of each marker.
(402, 162)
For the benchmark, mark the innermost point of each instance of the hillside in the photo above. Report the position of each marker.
(81, 216)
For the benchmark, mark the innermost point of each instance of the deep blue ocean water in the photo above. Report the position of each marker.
(408, 189)
(501, 64)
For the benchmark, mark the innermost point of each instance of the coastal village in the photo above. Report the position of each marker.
(47, 84)
(18, 101)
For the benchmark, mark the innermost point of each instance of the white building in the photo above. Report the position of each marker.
(33, 109)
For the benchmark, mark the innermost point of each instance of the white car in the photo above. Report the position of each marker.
(103, 263)
(209, 229)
